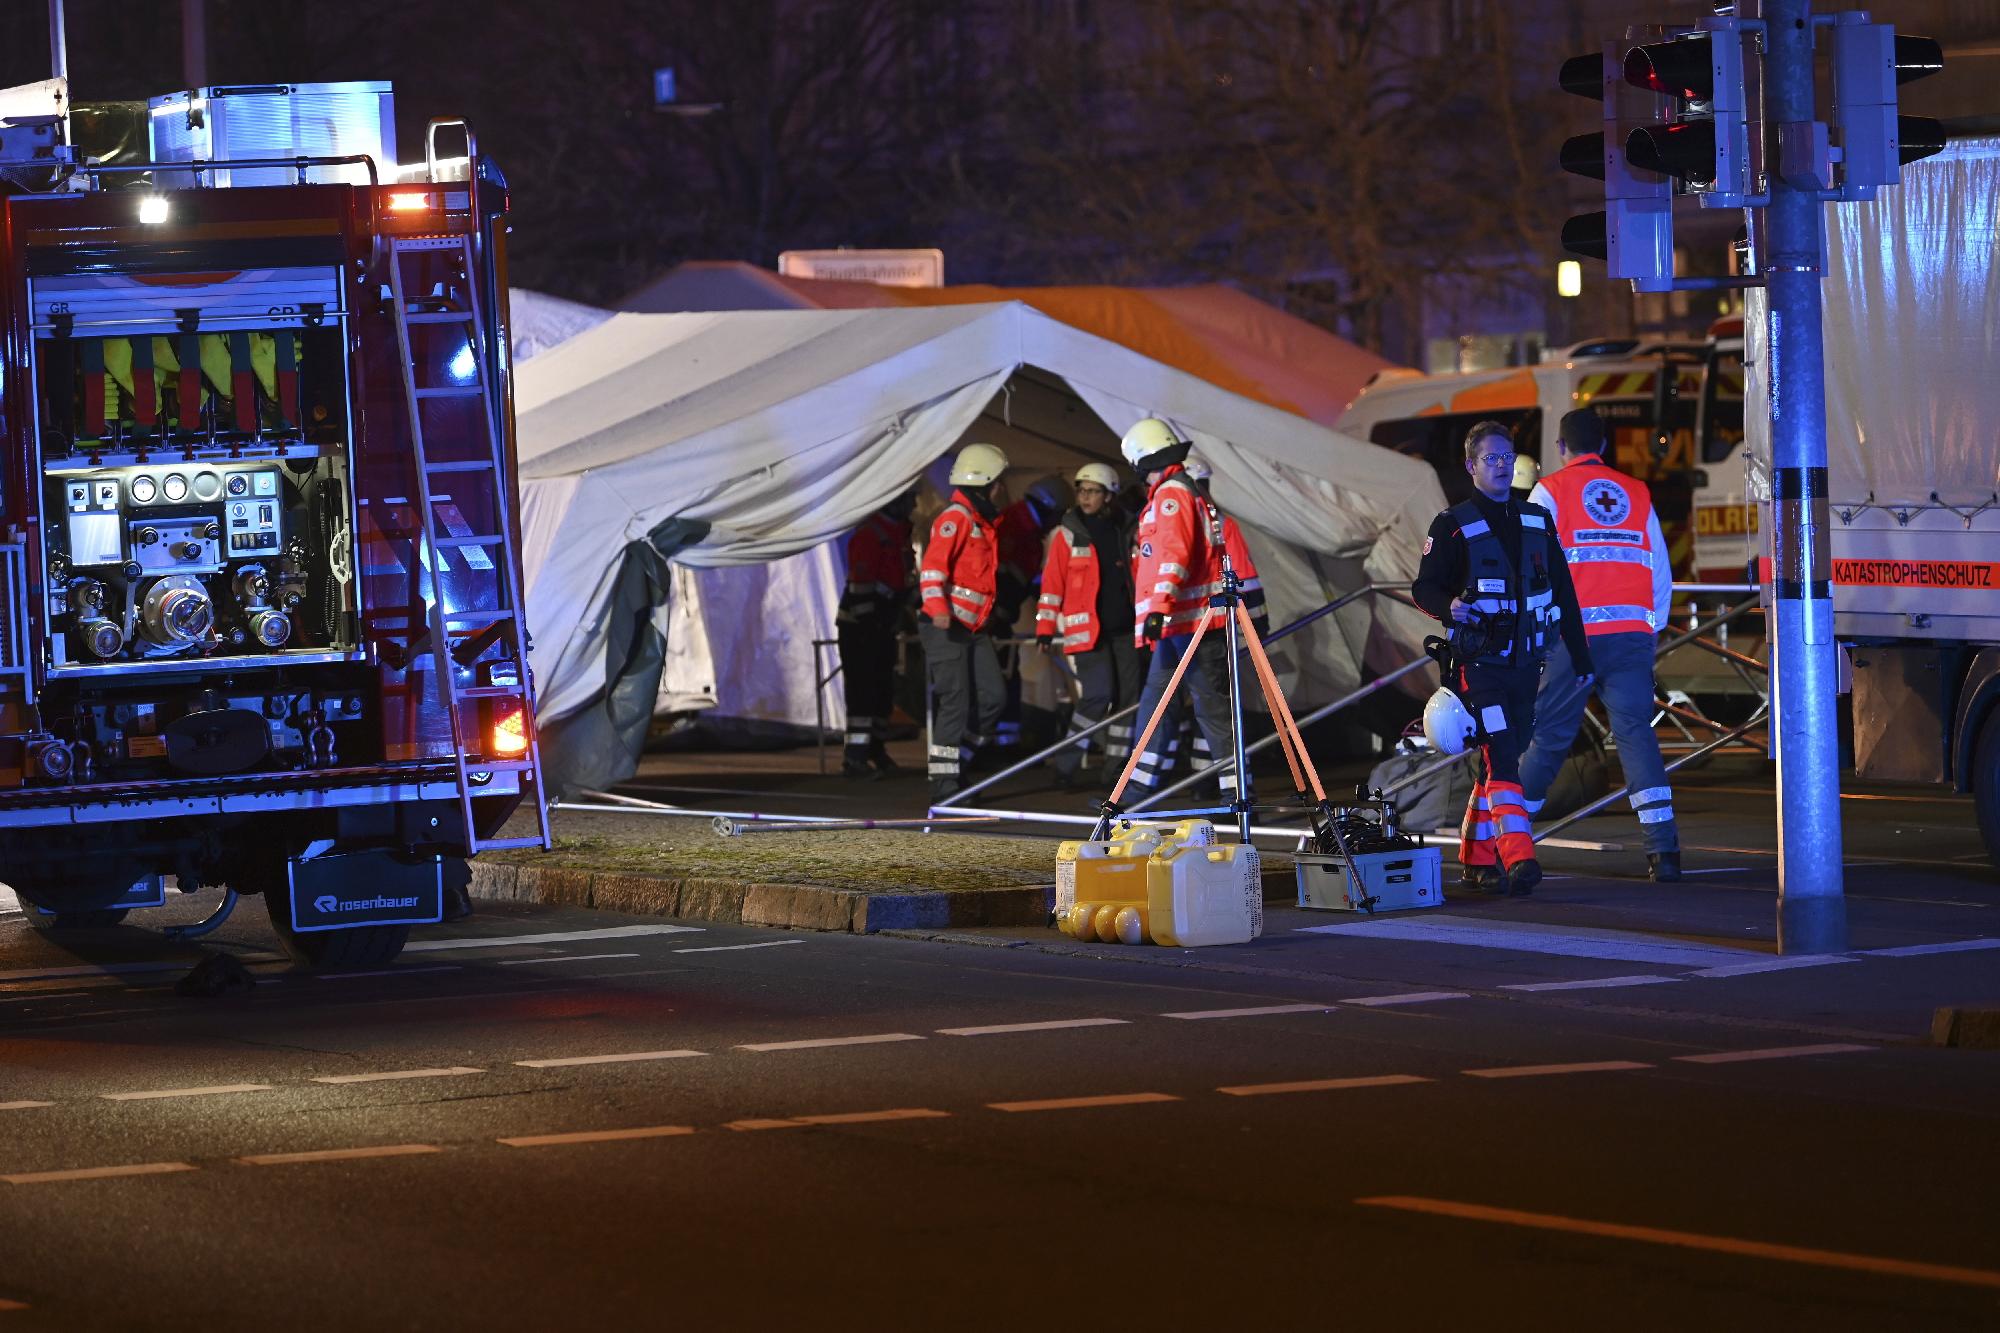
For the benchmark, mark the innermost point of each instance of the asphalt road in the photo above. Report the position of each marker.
(542, 1118)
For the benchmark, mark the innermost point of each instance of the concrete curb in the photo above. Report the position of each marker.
(1969, 1027)
(784, 906)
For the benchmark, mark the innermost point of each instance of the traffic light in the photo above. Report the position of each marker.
(1870, 60)
(1703, 143)
(1634, 234)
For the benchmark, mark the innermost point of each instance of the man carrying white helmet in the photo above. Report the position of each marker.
(1176, 570)
(1086, 610)
(958, 580)
(1493, 572)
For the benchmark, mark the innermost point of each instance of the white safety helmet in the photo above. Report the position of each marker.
(1098, 474)
(977, 465)
(1197, 468)
(1151, 445)
(1448, 723)
(1526, 472)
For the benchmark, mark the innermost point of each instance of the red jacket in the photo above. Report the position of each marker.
(1251, 586)
(960, 564)
(1178, 568)
(878, 568)
(1070, 580)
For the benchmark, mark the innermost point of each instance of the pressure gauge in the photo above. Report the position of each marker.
(175, 487)
(207, 485)
(143, 489)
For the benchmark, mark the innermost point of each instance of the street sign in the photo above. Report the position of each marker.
(886, 268)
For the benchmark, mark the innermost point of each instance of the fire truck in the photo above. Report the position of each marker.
(261, 623)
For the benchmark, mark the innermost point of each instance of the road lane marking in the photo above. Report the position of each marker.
(1322, 1085)
(23, 1106)
(1411, 997)
(1564, 942)
(565, 1062)
(731, 948)
(1082, 1103)
(1599, 983)
(452, 1072)
(566, 958)
(1257, 1012)
(115, 969)
(338, 1154)
(99, 1173)
(816, 1043)
(1693, 1240)
(1536, 1071)
(546, 937)
(220, 1090)
(1771, 1053)
(389, 972)
(1774, 965)
(997, 1029)
(1915, 950)
(841, 1118)
(1712, 870)
(597, 1136)
(6, 1304)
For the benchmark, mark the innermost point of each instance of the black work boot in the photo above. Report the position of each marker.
(1664, 867)
(1485, 879)
(1522, 877)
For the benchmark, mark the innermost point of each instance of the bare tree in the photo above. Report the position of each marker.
(1326, 153)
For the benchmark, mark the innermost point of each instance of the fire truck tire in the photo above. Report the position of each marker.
(1985, 770)
(335, 950)
(95, 920)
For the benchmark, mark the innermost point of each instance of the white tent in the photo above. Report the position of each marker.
(766, 433)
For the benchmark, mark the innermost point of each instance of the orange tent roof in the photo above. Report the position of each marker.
(1228, 338)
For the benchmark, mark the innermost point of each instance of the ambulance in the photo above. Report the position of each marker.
(1648, 391)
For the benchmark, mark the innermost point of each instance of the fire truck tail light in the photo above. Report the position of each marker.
(409, 201)
(153, 209)
(510, 734)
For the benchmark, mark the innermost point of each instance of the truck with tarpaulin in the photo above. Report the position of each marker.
(1911, 300)
(261, 625)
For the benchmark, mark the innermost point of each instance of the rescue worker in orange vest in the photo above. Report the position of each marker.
(1086, 610)
(878, 584)
(1185, 731)
(1493, 573)
(958, 578)
(1177, 569)
(1611, 536)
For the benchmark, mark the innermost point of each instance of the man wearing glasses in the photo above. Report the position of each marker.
(1494, 574)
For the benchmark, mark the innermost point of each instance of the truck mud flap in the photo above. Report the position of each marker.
(364, 889)
(147, 891)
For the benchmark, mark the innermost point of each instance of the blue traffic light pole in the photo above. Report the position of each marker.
(1812, 911)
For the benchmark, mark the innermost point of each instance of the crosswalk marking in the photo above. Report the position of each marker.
(567, 1061)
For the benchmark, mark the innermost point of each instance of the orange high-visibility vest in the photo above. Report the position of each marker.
(1603, 520)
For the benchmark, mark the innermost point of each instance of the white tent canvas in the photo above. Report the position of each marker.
(781, 430)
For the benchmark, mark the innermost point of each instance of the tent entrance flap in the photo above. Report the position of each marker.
(599, 744)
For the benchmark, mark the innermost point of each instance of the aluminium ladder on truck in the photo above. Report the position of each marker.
(479, 486)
